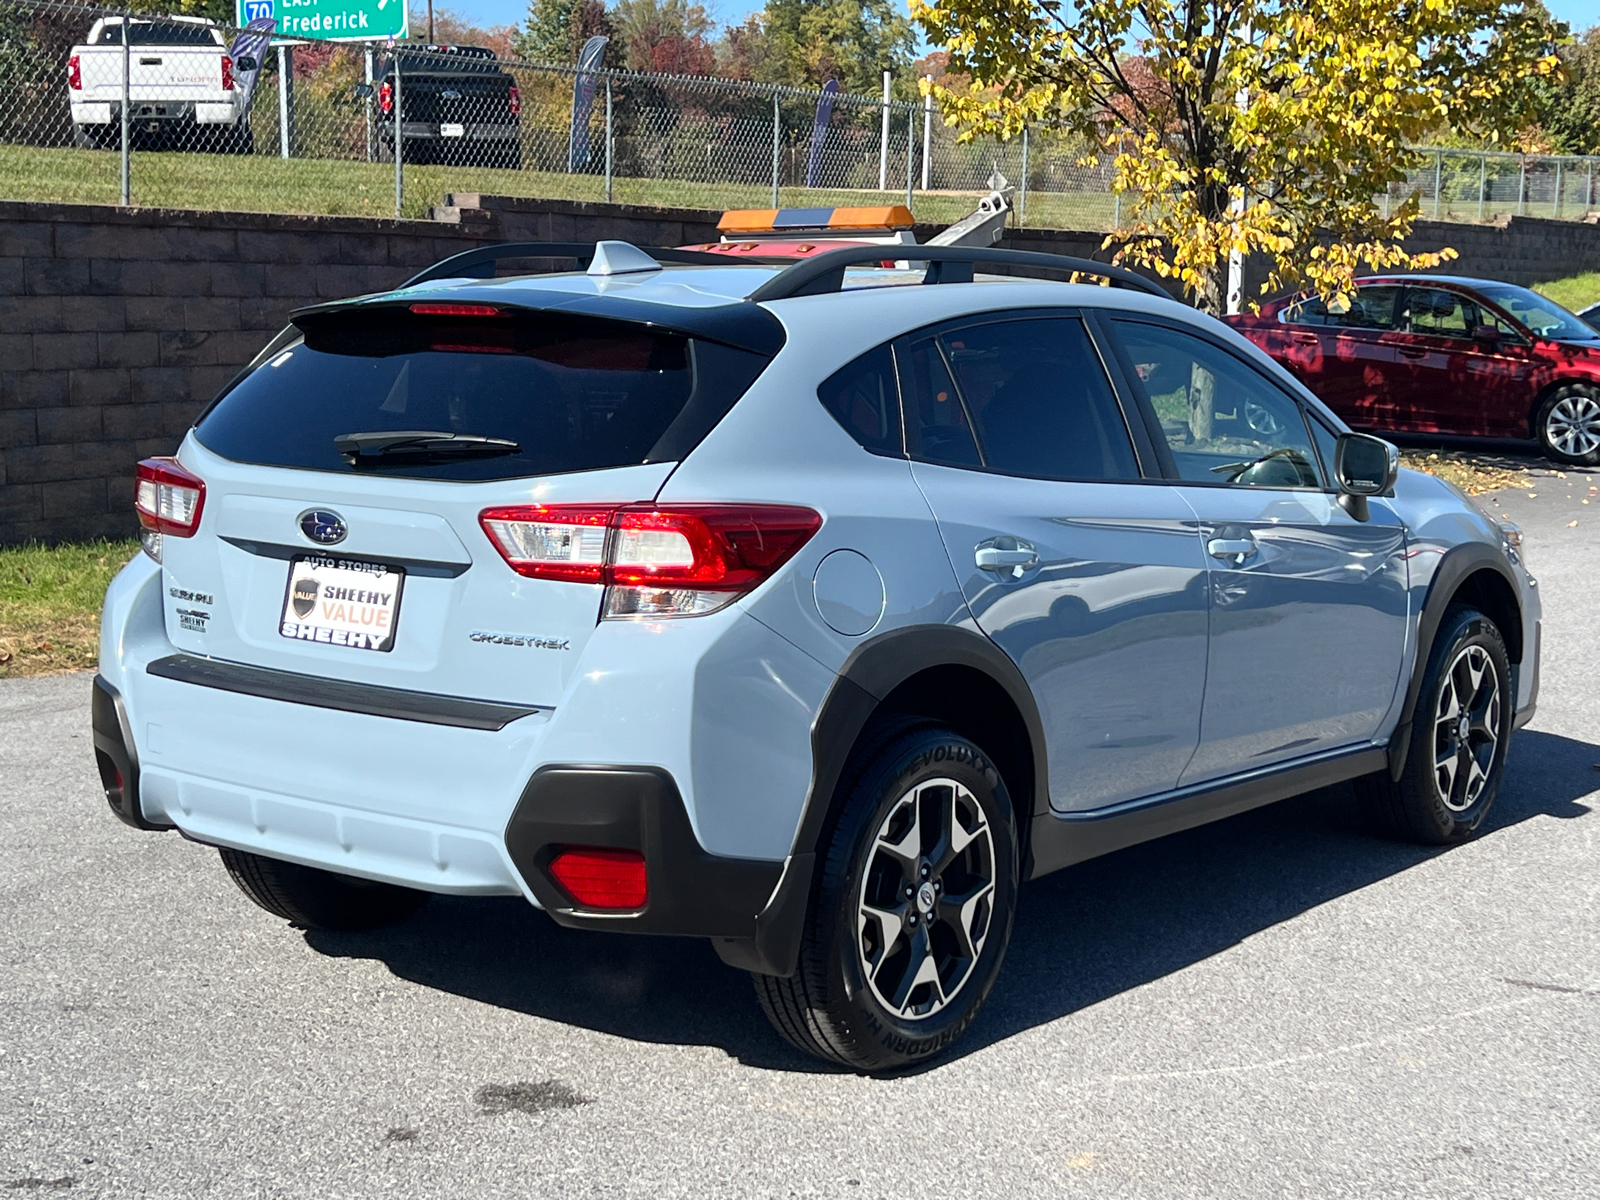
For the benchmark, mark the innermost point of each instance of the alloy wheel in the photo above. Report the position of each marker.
(1573, 425)
(926, 899)
(1466, 728)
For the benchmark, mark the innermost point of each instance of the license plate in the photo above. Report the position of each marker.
(341, 602)
(452, 131)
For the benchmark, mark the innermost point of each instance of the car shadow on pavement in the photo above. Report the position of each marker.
(1082, 935)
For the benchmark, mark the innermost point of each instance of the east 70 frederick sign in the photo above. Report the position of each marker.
(329, 20)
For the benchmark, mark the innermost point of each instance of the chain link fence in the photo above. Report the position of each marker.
(105, 107)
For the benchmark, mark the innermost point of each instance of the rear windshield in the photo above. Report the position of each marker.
(450, 59)
(159, 33)
(550, 394)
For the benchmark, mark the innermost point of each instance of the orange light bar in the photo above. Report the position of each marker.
(783, 220)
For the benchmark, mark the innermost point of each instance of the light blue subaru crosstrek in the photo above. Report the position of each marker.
(809, 609)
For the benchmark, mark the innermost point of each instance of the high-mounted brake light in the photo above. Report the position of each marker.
(515, 100)
(597, 877)
(386, 97)
(670, 561)
(434, 309)
(75, 74)
(227, 73)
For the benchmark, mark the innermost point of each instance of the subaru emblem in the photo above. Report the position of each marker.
(323, 527)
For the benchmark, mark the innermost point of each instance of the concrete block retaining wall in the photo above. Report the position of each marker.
(118, 325)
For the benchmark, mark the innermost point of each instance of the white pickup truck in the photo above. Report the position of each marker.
(181, 93)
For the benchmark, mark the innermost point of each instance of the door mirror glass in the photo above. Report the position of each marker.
(1365, 465)
(364, 91)
(245, 64)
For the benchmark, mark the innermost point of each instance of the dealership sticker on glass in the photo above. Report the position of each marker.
(341, 602)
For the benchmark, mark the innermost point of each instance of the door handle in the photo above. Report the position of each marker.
(1006, 556)
(1413, 354)
(1240, 548)
(1309, 339)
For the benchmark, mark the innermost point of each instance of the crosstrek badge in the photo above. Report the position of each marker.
(342, 602)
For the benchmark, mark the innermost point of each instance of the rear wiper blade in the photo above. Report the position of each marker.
(412, 445)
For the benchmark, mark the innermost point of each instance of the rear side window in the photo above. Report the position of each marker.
(1039, 400)
(490, 397)
(862, 397)
(1369, 308)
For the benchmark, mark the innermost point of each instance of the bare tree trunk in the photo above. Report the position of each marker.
(1202, 402)
(1211, 297)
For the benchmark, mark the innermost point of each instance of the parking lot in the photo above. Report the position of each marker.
(1274, 1005)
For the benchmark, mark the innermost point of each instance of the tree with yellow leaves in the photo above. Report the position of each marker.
(1244, 126)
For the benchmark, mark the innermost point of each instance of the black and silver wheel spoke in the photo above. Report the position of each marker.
(1467, 728)
(926, 898)
(1573, 426)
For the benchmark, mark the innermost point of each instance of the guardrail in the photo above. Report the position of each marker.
(311, 128)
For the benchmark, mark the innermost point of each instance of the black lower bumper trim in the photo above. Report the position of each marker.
(314, 690)
(116, 756)
(691, 892)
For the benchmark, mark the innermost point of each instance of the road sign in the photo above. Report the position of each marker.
(329, 20)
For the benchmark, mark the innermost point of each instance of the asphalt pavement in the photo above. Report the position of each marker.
(1278, 1005)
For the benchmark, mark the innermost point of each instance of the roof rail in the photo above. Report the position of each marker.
(479, 263)
(947, 264)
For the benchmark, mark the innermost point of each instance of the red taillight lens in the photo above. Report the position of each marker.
(551, 541)
(227, 73)
(386, 97)
(681, 560)
(515, 100)
(168, 498)
(600, 878)
(75, 74)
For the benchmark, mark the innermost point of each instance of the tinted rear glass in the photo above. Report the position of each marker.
(159, 33)
(574, 394)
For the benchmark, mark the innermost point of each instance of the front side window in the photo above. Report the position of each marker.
(1034, 393)
(1433, 312)
(1223, 422)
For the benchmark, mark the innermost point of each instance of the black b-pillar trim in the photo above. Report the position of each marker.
(690, 891)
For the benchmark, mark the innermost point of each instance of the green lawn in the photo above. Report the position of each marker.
(265, 183)
(50, 601)
(1573, 292)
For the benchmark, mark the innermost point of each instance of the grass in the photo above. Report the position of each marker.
(328, 187)
(1573, 292)
(50, 599)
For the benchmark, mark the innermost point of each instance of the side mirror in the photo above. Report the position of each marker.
(245, 63)
(1488, 334)
(1364, 466)
(364, 91)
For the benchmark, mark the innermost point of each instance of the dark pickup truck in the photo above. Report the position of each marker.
(458, 107)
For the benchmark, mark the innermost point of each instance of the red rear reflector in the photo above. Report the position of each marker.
(600, 878)
(167, 498)
(431, 309)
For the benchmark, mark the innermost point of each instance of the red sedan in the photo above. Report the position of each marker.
(1437, 354)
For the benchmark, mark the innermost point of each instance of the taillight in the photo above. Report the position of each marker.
(386, 98)
(600, 878)
(168, 498)
(75, 74)
(514, 102)
(677, 561)
(227, 73)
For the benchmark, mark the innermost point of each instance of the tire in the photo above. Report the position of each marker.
(502, 155)
(91, 137)
(1567, 424)
(1449, 784)
(317, 899)
(883, 982)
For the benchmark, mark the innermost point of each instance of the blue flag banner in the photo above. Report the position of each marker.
(819, 130)
(251, 44)
(583, 85)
